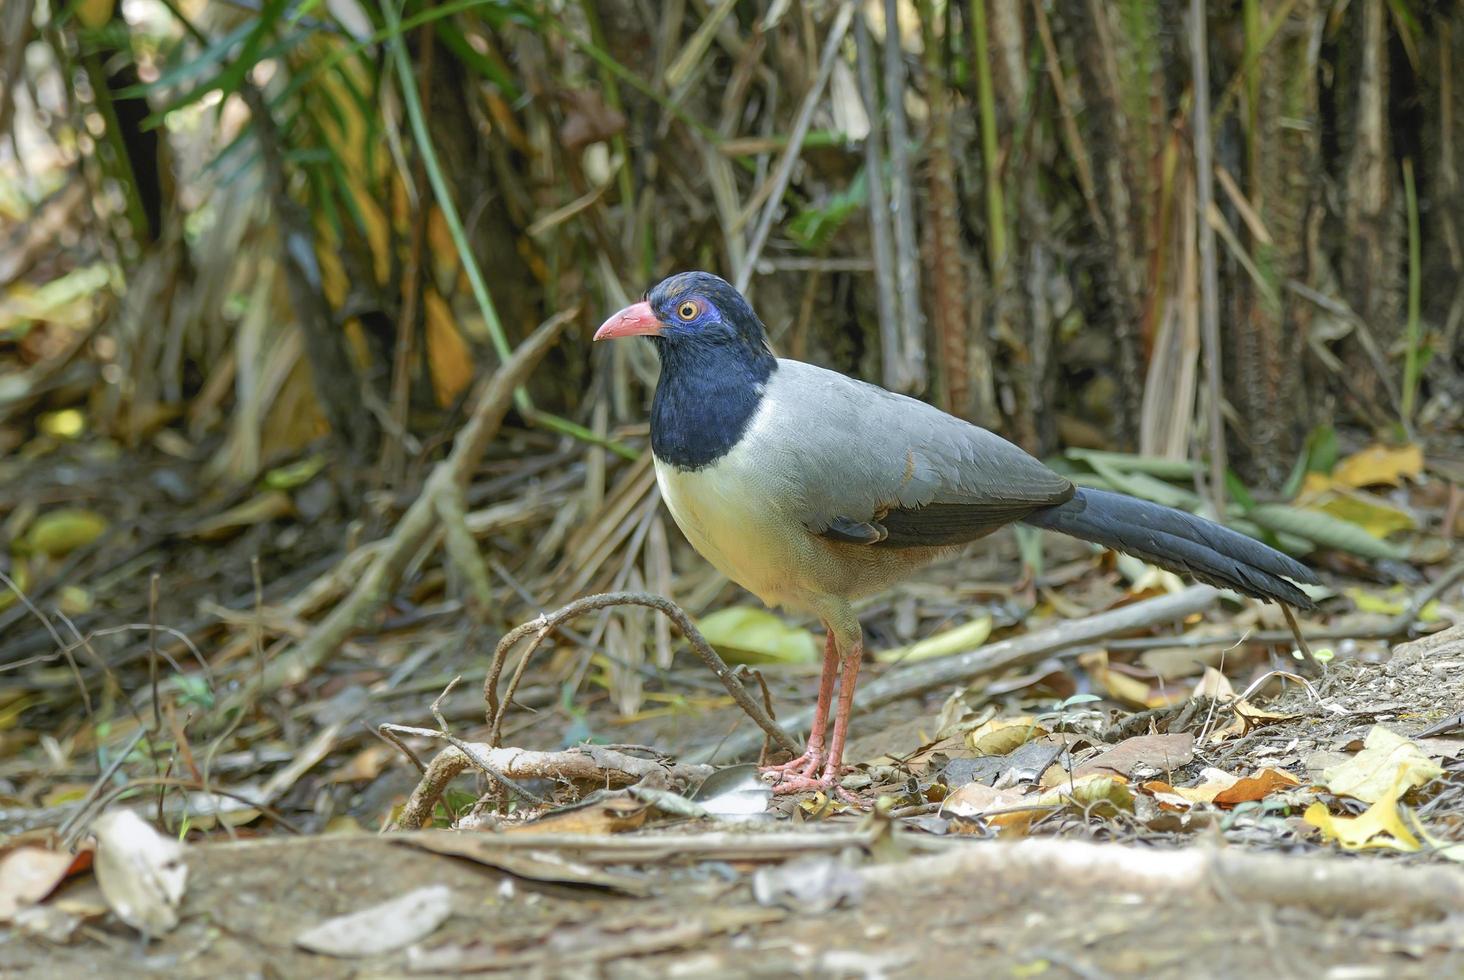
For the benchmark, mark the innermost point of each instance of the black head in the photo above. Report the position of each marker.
(692, 309)
(715, 364)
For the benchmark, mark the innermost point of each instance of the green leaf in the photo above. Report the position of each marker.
(1166, 469)
(814, 226)
(746, 635)
(1324, 529)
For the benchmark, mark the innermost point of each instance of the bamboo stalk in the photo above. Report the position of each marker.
(879, 211)
(995, 205)
(1412, 365)
(902, 206)
(1209, 276)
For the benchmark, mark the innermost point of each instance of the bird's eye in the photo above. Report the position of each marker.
(688, 310)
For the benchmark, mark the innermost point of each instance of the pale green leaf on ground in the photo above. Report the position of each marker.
(957, 640)
(745, 635)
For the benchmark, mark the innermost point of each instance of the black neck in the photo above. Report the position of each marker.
(707, 396)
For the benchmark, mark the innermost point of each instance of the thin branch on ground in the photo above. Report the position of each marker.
(542, 626)
(591, 764)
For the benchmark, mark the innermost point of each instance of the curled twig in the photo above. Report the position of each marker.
(473, 754)
(542, 626)
(594, 764)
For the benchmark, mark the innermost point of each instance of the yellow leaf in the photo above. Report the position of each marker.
(745, 635)
(64, 530)
(1380, 825)
(1389, 603)
(296, 474)
(68, 423)
(94, 13)
(1367, 511)
(1378, 464)
(1001, 735)
(1388, 763)
(962, 638)
(268, 506)
(20, 575)
(1119, 686)
(1097, 793)
(448, 355)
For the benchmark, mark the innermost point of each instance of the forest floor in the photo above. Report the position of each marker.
(1196, 736)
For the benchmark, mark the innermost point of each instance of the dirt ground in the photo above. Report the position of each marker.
(699, 916)
(246, 901)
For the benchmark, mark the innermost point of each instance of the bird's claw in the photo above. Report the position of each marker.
(806, 764)
(802, 775)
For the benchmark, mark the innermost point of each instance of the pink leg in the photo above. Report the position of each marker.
(832, 768)
(833, 765)
(813, 758)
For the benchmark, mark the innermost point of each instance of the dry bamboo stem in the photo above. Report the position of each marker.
(416, 526)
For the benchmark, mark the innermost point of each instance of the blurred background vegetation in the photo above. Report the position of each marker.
(283, 219)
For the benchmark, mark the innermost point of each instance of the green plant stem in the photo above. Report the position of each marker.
(566, 427)
(1412, 364)
(444, 195)
(995, 209)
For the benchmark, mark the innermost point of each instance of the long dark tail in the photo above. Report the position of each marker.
(1179, 542)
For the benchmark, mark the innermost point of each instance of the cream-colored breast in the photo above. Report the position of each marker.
(730, 518)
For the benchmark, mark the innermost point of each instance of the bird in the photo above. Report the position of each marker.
(810, 489)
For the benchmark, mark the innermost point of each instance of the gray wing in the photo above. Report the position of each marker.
(866, 466)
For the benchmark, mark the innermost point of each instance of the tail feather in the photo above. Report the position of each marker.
(1179, 542)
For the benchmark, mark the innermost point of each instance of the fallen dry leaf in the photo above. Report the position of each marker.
(1387, 760)
(978, 799)
(142, 874)
(1213, 685)
(1166, 752)
(1378, 465)
(381, 928)
(29, 874)
(531, 865)
(1256, 787)
(1001, 735)
(1245, 718)
(1214, 782)
(1120, 687)
(1380, 825)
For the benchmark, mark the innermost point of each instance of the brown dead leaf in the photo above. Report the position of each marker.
(1213, 685)
(28, 874)
(1244, 719)
(364, 765)
(531, 865)
(1256, 787)
(1120, 687)
(1165, 752)
(1005, 809)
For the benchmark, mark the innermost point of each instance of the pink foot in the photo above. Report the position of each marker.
(827, 782)
(807, 763)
